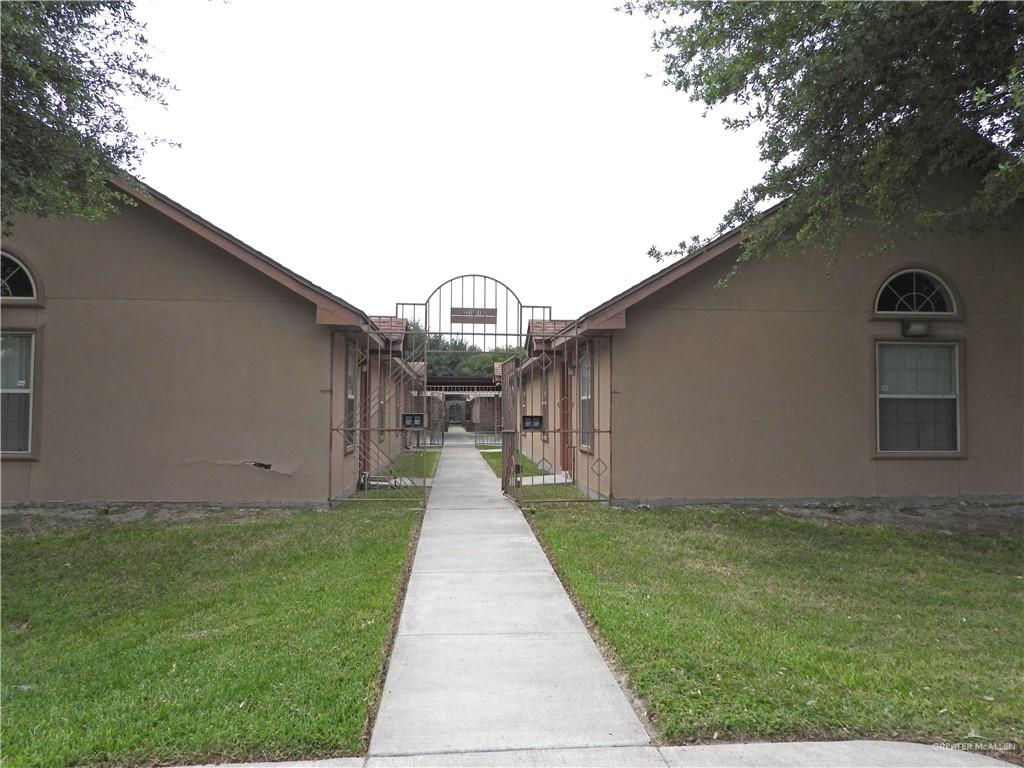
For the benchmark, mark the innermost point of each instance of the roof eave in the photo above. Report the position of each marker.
(611, 315)
(331, 310)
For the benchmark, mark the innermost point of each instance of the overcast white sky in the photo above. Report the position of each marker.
(380, 148)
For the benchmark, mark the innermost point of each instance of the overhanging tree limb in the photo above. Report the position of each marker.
(861, 103)
(64, 69)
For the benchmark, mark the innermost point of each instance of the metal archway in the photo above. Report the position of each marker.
(478, 310)
(466, 325)
(549, 405)
(533, 388)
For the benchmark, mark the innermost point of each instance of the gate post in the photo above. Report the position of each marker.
(509, 427)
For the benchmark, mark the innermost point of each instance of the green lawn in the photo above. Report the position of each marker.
(412, 494)
(559, 492)
(766, 627)
(493, 457)
(193, 642)
(414, 464)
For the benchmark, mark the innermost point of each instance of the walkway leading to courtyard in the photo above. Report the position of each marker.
(492, 666)
(490, 653)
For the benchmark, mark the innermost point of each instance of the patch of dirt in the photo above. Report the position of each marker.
(945, 516)
(55, 518)
(991, 515)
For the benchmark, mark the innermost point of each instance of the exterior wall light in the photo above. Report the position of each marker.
(916, 328)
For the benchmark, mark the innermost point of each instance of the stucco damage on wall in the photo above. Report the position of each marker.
(266, 464)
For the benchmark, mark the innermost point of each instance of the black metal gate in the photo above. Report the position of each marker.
(392, 459)
(511, 469)
(476, 343)
(557, 398)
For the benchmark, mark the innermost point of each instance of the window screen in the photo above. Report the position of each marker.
(586, 399)
(917, 397)
(16, 392)
(350, 396)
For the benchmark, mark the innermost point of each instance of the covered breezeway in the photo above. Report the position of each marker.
(513, 377)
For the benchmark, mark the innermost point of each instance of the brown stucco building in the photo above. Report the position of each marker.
(153, 357)
(901, 374)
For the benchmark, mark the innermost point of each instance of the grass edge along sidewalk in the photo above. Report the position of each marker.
(736, 626)
(492, 455)
(259, 639)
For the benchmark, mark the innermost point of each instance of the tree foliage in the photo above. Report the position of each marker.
(452, 356)
(861, 103)
(65, 69)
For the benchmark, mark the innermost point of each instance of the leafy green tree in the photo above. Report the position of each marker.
(444, 355)
(65, 69)
(447, 356)
(482, 363)
(861, 104)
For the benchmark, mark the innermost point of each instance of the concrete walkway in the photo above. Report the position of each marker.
(798, 754)
(493, 667)
(490, 653)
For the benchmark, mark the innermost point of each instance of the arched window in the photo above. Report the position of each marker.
(15, 280)
(18, 353)
(917, 380)
(915, 292)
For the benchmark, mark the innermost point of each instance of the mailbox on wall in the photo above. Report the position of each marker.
(533, 423)
(414, 421)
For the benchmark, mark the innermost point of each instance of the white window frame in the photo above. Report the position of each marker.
(544, 403)
(587, 397)
(31, 279)
(400, 399)
(382, 397)
(30, 391)
(955, 312)
(958, 450)
(351, 405)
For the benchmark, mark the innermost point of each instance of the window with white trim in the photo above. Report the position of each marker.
(382, 385)
(586, 398)
(15, 280)
(918, 397)
(16, 373)
(401, 398)
(544, 398)
(915, 292)
(350, 395)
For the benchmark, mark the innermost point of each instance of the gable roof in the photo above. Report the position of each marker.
(544, 329)
(540, 334)
(330, 309)
(611, 315)
(391, 331)
(391, 327)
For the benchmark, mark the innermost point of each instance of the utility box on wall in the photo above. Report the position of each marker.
(533, 423)
(414, 421)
